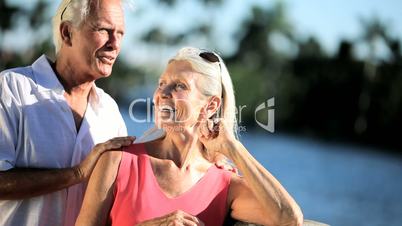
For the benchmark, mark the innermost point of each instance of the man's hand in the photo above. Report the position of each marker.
(84, 169)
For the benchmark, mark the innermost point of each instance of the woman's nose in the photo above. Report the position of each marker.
(166, 92)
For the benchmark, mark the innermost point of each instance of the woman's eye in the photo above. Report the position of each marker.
(161, 84)
(180, 86)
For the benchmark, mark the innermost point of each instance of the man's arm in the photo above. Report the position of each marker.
(26, 183)
(22, 183)
(17, 183)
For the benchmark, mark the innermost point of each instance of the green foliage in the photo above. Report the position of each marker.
(7, 15)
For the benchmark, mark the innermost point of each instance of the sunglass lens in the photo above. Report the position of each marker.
(211, 57)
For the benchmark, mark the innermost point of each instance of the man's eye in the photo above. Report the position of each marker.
(103, 30)
(120, 34)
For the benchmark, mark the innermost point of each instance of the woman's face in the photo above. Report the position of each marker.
(178, 101)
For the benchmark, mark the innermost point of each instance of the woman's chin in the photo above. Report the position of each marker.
(171, 127)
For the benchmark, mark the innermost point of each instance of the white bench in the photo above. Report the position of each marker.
(305, 223)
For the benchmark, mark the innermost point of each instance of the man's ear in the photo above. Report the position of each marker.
(66, 33)
(213, 106)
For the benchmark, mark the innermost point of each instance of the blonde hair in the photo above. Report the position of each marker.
(216, 81)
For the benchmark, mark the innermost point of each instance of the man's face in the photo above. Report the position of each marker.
(96, 43)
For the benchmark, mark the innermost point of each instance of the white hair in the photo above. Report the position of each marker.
(215, 81)
(74, 11)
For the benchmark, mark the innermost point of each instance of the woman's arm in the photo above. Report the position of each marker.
(258, 197)
(99, 194)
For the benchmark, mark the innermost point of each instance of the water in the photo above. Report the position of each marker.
(335, 184)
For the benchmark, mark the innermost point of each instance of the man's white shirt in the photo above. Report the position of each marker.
(37, 130)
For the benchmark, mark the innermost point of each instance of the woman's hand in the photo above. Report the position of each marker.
(84, 169)
(215, 136)
(177, 217)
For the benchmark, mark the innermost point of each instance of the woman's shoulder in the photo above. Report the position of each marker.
(135, 149)
(113, 158)
(221, 175)
(110, 159)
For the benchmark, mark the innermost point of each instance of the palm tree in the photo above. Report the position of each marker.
(373, 30)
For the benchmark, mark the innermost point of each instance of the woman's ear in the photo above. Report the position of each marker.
(214, 104)
(66, 33)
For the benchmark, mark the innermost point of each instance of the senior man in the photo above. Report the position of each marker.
(52, 114)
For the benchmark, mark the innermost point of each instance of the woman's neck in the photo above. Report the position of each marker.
(181, 149)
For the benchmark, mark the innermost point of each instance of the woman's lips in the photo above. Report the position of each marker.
(166, 108)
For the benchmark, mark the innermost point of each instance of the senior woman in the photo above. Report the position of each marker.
(172, 180)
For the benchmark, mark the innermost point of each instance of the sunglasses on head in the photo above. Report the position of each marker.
(209, 56)
(62, 13)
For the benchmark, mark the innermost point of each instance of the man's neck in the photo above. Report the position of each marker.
(74, 83)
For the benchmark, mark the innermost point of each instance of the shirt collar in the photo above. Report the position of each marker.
(45, 77)
(47, 80)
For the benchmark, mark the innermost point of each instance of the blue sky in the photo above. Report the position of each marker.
(329, 21)
(332, 20)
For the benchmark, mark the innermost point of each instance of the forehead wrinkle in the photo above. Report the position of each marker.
(112, 10)
(186, 78)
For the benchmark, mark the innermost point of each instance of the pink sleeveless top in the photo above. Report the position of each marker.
(138, 196)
